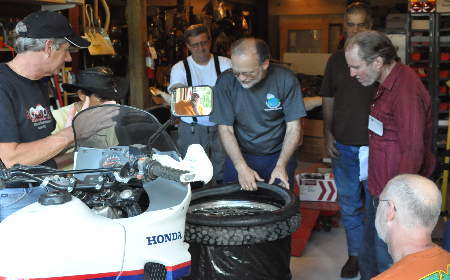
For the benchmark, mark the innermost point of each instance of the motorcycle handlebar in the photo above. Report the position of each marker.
(155, 169)
(19, 173)
(151, 169)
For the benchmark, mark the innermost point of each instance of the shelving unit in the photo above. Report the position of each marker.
(442, 68)
(422, 48)
(428, 52)
(442, 59)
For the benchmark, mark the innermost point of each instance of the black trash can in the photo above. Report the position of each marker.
(235, 234)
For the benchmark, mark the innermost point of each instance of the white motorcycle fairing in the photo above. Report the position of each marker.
(50, 242)
(66, 239)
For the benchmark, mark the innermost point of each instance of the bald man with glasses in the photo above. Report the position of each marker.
(258, 106)
(408, 210)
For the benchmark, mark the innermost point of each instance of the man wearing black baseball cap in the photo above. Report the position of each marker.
(42, 47)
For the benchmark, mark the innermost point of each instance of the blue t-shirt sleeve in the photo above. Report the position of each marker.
(293, 107)
(223, 109)
(8, 121)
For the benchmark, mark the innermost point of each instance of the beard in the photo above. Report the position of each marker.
(248, 84)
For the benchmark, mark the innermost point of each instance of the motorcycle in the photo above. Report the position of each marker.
(119, 214)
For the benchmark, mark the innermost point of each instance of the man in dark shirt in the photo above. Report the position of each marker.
(258, 108)
(400, 128)
(42, 46)
(346, 112)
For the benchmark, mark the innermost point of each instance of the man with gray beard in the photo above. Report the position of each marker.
(258, 106)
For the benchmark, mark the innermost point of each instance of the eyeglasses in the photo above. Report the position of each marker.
(249, 75)
(376, 202)
(199, 44)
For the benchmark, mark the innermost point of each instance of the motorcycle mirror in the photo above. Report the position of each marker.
(192, 101)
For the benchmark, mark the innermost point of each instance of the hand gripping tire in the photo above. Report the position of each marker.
(226, 215)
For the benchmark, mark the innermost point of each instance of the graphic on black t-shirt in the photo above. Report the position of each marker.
(39, 116)
(25, 114)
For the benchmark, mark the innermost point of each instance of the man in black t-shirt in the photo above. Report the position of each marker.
(42, 46)
(258, 108)
(346, 113)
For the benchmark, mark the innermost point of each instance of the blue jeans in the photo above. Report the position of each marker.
(14, 199)
(374, 257)
(349, 188)
(263, 165)
(447, 237)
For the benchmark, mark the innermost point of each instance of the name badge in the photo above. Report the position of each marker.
(375, 126)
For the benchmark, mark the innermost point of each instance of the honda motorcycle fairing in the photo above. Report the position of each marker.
(120, 214)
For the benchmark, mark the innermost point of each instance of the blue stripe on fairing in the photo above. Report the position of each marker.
(176, 274)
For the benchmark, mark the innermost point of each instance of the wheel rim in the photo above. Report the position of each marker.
(286, 204)
(221, 208)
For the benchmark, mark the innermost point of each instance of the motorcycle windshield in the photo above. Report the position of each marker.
(111, 125)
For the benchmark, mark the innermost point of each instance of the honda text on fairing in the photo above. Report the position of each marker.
(120, 214)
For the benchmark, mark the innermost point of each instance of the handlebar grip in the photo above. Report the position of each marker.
(156, 169)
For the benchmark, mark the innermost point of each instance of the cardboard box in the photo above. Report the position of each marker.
(312, 127)
(312, 149)
(443, 6)
(420, 24)
(396, 21)
(316, 187)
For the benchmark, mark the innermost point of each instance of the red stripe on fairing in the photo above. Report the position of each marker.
(132, 272)
(178, 266)
(81, 277)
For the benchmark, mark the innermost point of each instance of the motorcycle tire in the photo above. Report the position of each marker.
(154, 271)
(227, 215)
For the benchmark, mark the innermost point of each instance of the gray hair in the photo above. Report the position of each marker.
(360, 8)
(195, 30)
(417, 199)
(24, 44)
(244, 45)
(373, 44)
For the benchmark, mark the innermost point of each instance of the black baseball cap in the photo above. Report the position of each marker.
(101, 81)
(47, 24)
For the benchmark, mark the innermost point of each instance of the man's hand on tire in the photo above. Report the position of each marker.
(280, 173)
(248, 177)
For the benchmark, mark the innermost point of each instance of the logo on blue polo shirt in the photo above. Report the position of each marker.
(272, 102)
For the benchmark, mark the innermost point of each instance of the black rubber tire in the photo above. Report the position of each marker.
(154, 271)
(248, 229)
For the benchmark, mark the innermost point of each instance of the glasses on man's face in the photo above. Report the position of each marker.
(249, 75)
(376, 202)
(199, 44)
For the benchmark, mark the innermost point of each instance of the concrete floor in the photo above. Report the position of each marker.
(323, 257)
